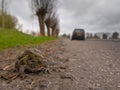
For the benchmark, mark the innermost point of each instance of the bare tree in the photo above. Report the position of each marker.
(41, 8)
(48, 23)
(54, 26)
(96, 36)
(115, 35)
(105, 36)
(4, 6)
(3, 10)
(57, 31)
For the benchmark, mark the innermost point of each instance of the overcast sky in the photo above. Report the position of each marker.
(91, 15)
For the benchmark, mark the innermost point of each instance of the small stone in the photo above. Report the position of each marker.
(28, 81)
(81, 77)
(67, 76)
(63, 67)
(118, 85)
(43, 84)
(98, 85)
(93, 88)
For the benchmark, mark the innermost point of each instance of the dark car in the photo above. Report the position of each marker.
(78, 34)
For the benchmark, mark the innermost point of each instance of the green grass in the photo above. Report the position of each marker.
(12, 38)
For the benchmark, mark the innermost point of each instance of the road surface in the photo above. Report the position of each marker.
(75, 65)
(94, 64)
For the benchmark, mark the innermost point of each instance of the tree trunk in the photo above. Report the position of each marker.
(48, 29)
(3, 18)
(53, 31)
(41, 25)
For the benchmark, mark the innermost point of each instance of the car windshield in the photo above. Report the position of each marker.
(78, 30)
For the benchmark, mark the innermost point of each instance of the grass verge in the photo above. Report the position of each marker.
(13, 38)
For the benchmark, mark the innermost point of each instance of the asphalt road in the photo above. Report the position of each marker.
(95, 64)
(74, 65)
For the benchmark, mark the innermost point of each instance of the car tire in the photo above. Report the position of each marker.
(72, 39)
(83, 38)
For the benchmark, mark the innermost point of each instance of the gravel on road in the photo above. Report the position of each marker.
(74, 65)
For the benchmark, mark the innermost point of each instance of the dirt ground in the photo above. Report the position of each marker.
(74, 65)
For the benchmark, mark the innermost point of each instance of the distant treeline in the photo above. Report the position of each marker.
(114, 35)
(9, 22)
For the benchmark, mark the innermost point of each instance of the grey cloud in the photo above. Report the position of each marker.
(20, 9)
(92, 15)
